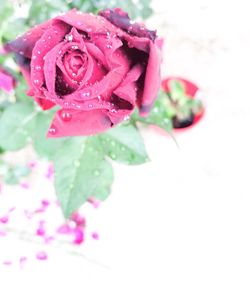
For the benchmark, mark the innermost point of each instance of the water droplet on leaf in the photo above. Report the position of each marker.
(97, 173)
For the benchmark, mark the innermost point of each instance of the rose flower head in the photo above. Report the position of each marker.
(96, 68)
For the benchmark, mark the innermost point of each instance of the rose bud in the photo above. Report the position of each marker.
(96, 68)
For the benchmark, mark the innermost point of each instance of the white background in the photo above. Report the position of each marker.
(179, 224)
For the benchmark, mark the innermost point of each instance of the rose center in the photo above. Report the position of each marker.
(75, 63)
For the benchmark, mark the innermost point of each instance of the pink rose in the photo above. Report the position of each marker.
(96, 68)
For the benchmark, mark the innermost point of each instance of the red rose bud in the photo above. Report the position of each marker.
(7, 82)
(96, 68)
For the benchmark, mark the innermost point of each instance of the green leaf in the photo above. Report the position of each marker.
(14, 28)
(13, 174)
(16, 126)
(44, 146)
(20, 91)
(177, 90)
(124, 144)
(81, 171)
(160, 115)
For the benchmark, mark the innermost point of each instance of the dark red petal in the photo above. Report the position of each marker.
(152, 80)
(81, 123)
(24, 45)
(48, 41)
(86, 22)
(121, 19)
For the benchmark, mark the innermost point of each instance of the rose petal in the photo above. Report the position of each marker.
(48, 41)
(87, 22)
(82, 123)
(152, 80)
(24, 44)
(121, 20)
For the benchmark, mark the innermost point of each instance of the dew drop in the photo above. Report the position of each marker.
(113, 143)
(21, 52)
(36, 82)
(113, 110)
(74, 47)
(69, 38)
(90, 106)
(85, 94)
(34, 57)
(99, 97)
(38, 52)
(109, 46)
(77, 163)
(49, 37)
(112, 155)
(52, 130)
(66, 116)
(96, 173)
(38, 67)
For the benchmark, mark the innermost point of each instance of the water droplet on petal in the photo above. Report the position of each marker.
(38, 52)
(34, 57)
(90, 106)
(113, 110)
(109, 46)
(52, 130)
(66, 116)
(38, 67)
(21, 52)
(36, 82)
(69, 38)
(86, 94)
